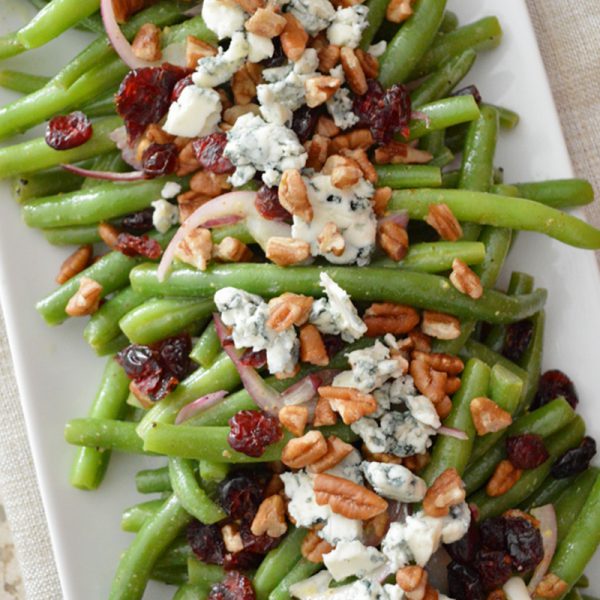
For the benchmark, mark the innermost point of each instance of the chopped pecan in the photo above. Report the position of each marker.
(195, 49)
(442, 219)
(187, 160)
(503, 479)
(288, 310)
(496, 595)
(443, 407)
(417, 462)
(75, 263)
(275, 485)
(448, 363)
(347, 498)
(397, 319)
(399, 10)
(243, 86)
(368, 62)
(358, 138)
(266, 23)
(381, 199)
(125, 8)
(188, 202)
(551, 587)
(155, 133)
(429, 381)
(348, 402)
(294, 419)
(337, 450)
(393, 239)
(293, 38)
(326, 127)
(288, 374)
(287, 251)
(146, 43)
(313, 547)
(360, 157)
(312, 347)
(440, 326)
(488, 417)
(344, 172)
(208, 183)
(330, 240)
(324, 414)
(320, 88)
(446, 491)
(232, 538)
(250, 6)
(233, 113)
(380, 456)
(230, 249)
(329, 57)
(196, 248)
(303, 451)
(400, 153)
(413, 581)
(355, 76)
(421, 341)
(465, 280)
(452, 385)
(374, 529)
(317, 149)
(108, 234)
(270, 517)
(86, 300)
(293, 195)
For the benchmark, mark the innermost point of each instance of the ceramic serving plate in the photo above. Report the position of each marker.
(57, 373)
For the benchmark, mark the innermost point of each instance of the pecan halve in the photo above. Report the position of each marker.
(446, 491)
(350, 403)
(86, 300)
(428, 381)
(305, 450)
(465, 280)
(313, 547)
(487, 416)
(442, 219)
(551, 587)
(270, 517)
(75, 263)
(337, 450)
(287, 251)
(293, 38)
(288, 310)
(294, 419)
(293, 195)
(312, 347)
(397, 319)
(503, 479)
(440, 325)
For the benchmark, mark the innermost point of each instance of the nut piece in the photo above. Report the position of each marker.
(465, 280)
(326, 127)
(108, 234)
(331, 240)
(294, 419)
(375, 529)
(312, 347)
(428, 381)
(386, 317)
(440, 325)
(293, 38)
(230, 249)
(75, 263)
(358, 138)
(146, 44)
(393, 239)
(417, 462)
(337, 450)
(266, 23)
(388, 459)
(243, 87)
(305, 450)
(420, 341)
(270, 517)
(348, 402)
(251, 6)
(496, 595)
(329, 57)
(381, 199)
(288, 310)
(324, 414)
(360, 157)
(398, 10)
(452, 385)
(313, 547)
(551, 587)
(195, 49)
(446, 491)
(347, 498)
(448, 363)
(287, 251)
(232, 538)
(368, 62)
(413, 580)
(196, 248)
(86, 300)
(293, 195)
(187, 160)
(320, 88)
(344, 172)
(488, 417)
(188, 202)
(233, 113)
(208, 183)
(355, 76)
(444, 407)
(504, 477)
(398, 153)
(442, 219)
(317, 149)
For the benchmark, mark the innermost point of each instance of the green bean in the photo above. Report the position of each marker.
(544, 421)
(55, 18)
(302, 570)
(151, 481)
(506, 390)
(509, 119)
(78, 235)
(10, 46)
(278, 562)
(444, 79)
(450, 179)
(573, 595)
(18, 81)
(158, 318)
(583, 582)
(449, 22)
(212, 471)
(500, 211)
(138, 561)
(112, 346)
(176, 555)
(189, 591)
(531, 360)
(481, 35)
(548, 492)
(577, 548)
(559, 193)
(207, 348)
(103, 325)
(170, 576)
(107, 434)
(442, 158)
(408, 176)
(441, 114)
(101, 108)
(239, 231)
(36, 155)
(433, 143)
(409, 45)
(190, 494)
(570, 503)
(105, 162)
(44, 183)
(450, 452)
(200, 573)
(375, 18)
(134, 517)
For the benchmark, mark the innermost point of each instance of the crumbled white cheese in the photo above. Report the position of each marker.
(363, 589)
(308, 588)
(456, 524)
(402, 389)
(254, 145)
(170, 190)
(278, 100)
(349, 468)
(395, 548)
(371, 434)
(347, 26)
(423, 536)
(175, 54)
(195, 113)
(308, 63)
(223, 18)
(423, 410)
(164, 216)
(378, 49)
(382, 397)
(394, 592)
(277, 73)
(283, 349)
(215, 70)
(339, 106)
(341, 529)
(314, 15)
(302, 504)
(352, 558)
(394, 481)
(260, 47)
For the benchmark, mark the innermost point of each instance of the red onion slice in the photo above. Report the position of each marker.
(515, 589)
(400, 218)
(222, 221)
(546, 515)
(452, 432)
(105, 175)
(200, 405)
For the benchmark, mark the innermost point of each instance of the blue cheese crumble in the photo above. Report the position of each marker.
(394, 481)
(348, 25)
(195, 113)
(215, 70)
(164, 216)
(223, 18)
(339, 106)
(352, 559)
(314, 15)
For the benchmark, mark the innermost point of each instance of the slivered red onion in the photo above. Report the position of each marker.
(200, 405)
(305, 390)
(546, 515)
(400, 218)
(222, 221)
(452, 432)
(105, 175)
(515, 589)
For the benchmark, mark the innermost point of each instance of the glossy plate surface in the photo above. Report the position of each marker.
(57, 373)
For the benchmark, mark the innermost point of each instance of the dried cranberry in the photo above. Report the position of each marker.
(304, 122)
(139, 222)
(138, 245)
(552, 385)
(268, 205)
(136, 360)
(180, 86)
(174, 354)
(492, 533)
(576, 460)
(260, 544)
(470, 90)
(209, 153)
(526, 451)
(384, 112)
(523, 543)
(206, 542)
(240, 496)
(252, 431)
(278, 59)
(464, 583)
(517, 339)
(235, 586)
(160, 159)
(333, 344)
(257, 359)
(68, 131)
(494, 568)
(144, 96)
(465, 549)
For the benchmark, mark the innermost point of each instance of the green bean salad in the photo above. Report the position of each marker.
(288, 226)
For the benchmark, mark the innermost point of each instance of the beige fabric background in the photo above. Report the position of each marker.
(569, 37)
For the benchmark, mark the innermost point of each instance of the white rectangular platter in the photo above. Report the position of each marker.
(57, 373)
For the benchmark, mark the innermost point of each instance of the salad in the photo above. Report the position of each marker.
(289, 224)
